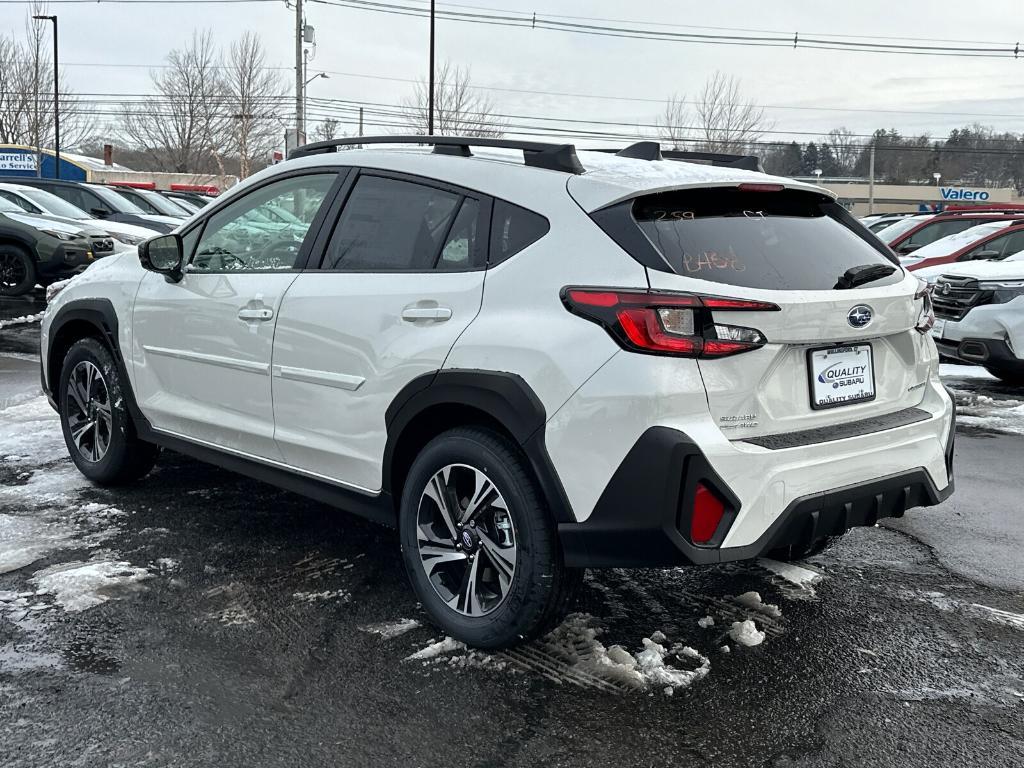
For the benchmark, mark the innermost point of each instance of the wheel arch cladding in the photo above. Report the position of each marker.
(92, 318)
(435, 403)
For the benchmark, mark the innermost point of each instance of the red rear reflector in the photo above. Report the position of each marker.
(708, 511)
(758, 187)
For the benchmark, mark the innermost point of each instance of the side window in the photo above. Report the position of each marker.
(242, 236)
(390, 224)
(937, 231)
(992, 246)
(19, 201)
(512, 229)
(460, 247)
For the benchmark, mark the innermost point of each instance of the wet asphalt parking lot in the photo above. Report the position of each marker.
(203, 619)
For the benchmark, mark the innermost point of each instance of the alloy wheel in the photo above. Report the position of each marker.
(89, 416)
(466, 540)
(12, 270)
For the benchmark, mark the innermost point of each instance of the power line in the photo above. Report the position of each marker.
(577, 25)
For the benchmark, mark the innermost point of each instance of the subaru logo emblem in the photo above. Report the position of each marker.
(945, 289)
(860, 316)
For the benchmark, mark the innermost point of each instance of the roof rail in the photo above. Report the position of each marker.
(536, 154)
(651, 150)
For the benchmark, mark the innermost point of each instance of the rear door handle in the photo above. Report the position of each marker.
(264, 313)
(438, 314)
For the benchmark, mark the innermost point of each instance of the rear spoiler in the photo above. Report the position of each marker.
(651, 150)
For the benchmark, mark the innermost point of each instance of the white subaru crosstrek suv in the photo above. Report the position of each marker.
(979, 306)
(530, 360)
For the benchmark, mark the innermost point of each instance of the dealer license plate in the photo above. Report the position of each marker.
(841, 375)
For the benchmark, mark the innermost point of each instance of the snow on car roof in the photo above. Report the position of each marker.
(606, 179)
(953, 243)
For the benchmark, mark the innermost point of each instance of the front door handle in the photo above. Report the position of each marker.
(249, 315)
(437, 314)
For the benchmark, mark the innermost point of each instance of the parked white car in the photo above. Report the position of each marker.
(979, 307)
(35, 200)
(530, 360)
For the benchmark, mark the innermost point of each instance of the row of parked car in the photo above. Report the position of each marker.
(51, 229)
(973, 261)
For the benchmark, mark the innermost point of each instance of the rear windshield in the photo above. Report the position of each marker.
(788, 240)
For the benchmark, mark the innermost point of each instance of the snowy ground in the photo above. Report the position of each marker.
(203, 619)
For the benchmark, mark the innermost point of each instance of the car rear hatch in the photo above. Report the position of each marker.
(820, 326)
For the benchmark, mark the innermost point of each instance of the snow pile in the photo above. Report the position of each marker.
(388, 630)
(23, 540)
(435, 649)
(77, 586)
(30, 431)
(752, 600)
(803, 579)
(746, 633)
(656, 664)
(707, 621)
(23, 320)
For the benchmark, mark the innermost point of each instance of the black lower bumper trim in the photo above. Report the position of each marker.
(992, 352)
(640, 519)
(840, 431)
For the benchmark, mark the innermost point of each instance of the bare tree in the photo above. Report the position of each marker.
(845, 149)
(26, 92)
(674, 122)
(728, 122)
(188, 129)
(459, 108)
(327, 129)
(254, 93)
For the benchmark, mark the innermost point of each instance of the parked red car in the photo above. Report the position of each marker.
(908, 235)
(990, 240)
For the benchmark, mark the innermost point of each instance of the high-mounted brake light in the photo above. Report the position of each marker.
(664, 323)
(760, 187)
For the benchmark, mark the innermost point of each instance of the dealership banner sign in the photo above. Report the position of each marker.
(17, 161)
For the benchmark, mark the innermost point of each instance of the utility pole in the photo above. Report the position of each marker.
(360, 121)
(300, 87)
(871, 179)
(430, 97)
(39, 151)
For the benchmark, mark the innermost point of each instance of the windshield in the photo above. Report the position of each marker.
(54, 205)
(776, 240)
(901, 227)
(162, 204)
(119, 203)
(953, 243)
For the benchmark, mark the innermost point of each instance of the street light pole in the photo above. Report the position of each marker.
(430, 97)
(300, 118)
(56, 97)
(305, 84)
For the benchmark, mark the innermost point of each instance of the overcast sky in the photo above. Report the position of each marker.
(859, 90)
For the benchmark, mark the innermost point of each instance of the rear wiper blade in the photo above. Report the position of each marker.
(865, 273)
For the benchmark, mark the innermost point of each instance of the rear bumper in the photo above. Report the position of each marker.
(642, 517)
(994, 352)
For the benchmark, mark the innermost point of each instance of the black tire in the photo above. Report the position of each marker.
(17, 271)
(125, 458)
(541, 588)
(803, 551)
(1010, 376)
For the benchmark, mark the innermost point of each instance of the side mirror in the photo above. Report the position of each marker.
(99, 213)
(163, 254)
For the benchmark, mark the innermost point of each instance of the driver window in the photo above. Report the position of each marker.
(992, 245)
(264, 229)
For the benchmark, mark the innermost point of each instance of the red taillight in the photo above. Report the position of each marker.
(663, 323)
(708, 511)
(761, 187)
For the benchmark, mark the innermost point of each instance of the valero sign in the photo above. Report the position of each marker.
(956, 193)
